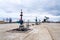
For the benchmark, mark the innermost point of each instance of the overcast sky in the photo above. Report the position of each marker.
(31, 9)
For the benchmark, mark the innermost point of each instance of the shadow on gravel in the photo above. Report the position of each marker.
(19, 31)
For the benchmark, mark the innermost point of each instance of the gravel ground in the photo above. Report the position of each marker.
(44, 31)
(54, 30)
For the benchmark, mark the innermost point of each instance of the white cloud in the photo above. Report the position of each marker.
(31, 8)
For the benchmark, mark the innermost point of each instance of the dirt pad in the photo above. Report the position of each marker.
(44, 31)
(54, 30)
